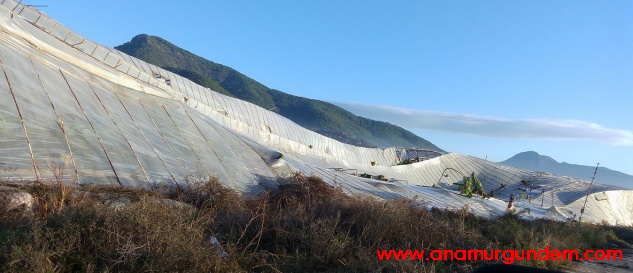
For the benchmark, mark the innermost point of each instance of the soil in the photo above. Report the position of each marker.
(619, 266)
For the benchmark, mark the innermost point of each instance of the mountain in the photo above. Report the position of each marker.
(321, 117)
(542, 163)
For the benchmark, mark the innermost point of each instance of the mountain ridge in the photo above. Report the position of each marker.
(532, 160)
(322, 117)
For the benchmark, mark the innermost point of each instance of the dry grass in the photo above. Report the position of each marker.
(306, 226)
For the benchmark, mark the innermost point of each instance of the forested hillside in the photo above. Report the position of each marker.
(322, 117)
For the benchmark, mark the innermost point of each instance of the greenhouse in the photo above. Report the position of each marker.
(82, 113)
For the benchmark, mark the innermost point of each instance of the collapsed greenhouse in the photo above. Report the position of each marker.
(74, 110)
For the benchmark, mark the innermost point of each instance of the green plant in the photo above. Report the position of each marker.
(472, 185)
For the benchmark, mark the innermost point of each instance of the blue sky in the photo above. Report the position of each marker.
(485, 78)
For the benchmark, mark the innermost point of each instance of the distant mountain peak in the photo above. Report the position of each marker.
(140, 38)
(532, 160)
(139, 41)
(528, 153)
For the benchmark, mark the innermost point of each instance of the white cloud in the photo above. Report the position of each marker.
(547, 129)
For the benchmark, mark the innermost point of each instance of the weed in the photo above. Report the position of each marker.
(303, 226)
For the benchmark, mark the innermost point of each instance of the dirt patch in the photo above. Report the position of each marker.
(619, 266)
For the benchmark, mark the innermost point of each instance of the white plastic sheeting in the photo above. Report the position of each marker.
(74, 110)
